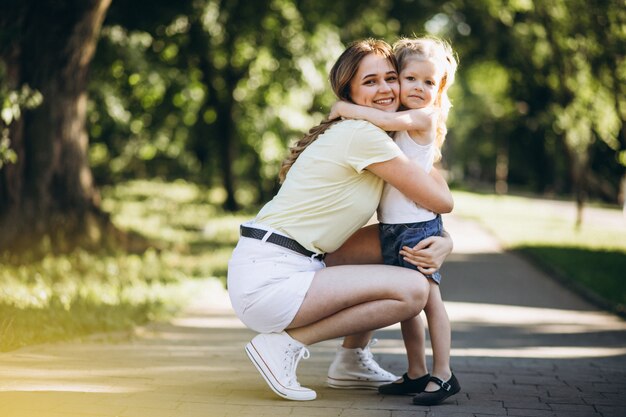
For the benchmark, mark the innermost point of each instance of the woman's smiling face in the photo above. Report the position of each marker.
(375, 84)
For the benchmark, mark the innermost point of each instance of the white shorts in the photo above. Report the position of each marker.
(267, 283)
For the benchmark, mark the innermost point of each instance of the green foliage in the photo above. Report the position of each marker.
(140, 107)
(185, 218)
(199, 86)
(64, 296)
(540, 84)
(59, 297)
(190, 89)
(12, 103)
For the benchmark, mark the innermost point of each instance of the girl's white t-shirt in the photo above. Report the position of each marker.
(394, 207)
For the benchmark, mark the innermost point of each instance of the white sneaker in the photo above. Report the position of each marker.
(357, 369)
(276, 357)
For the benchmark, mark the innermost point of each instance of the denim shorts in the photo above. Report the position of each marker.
(394, 236)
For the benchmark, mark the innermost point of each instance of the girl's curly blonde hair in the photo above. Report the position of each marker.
(440, 52)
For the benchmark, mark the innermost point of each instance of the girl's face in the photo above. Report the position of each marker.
(419, 83)
(375, 84)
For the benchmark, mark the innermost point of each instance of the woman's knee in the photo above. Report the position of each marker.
(415, 294)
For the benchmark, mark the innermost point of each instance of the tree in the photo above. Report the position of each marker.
(49, 190)
(541, 92)
(215, 90)
(584, 81)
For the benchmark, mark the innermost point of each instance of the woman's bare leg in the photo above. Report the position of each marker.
(362, 248)
(355, 299)
(341, 300)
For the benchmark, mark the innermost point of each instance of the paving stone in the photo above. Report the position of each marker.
(550, 380)
(611, 411)
(574, 413)
(526, 404)
(436, 412)
(356, 412)
(572, 407)
(565, 400)
(617, 401)
(526, 412)
(488, 415)
(606, 387)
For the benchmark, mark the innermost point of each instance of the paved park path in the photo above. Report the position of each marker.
(522, 346)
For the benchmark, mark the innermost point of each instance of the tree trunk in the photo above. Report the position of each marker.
(575, 169)
(502, 170)
(617, 91)
(226, 147)
(220, 83)
(50, 191)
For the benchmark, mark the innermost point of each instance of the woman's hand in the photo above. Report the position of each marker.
(429, 254)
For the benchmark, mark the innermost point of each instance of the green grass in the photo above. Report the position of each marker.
(61, 297)
(592, 258)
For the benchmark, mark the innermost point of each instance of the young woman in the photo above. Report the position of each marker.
(278, 283)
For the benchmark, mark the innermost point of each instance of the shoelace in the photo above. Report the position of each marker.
(291, 363)
(367, 358)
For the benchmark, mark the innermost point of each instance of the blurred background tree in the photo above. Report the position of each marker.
(217, 93)
(214, 91)
(47, 189)
(540, 103)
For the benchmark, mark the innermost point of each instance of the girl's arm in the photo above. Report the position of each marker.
(415, 119)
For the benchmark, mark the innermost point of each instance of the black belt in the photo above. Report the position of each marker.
(280, 240)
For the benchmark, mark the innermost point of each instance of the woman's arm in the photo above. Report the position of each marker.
(416, 119)
(428, 190)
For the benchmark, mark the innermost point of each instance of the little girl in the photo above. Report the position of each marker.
(427, 67)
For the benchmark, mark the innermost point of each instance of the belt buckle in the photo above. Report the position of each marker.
(319, 256)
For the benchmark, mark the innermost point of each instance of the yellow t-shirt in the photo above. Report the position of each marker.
(328, 194)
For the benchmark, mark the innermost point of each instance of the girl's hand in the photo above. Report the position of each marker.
(334, 110)
(429, 254)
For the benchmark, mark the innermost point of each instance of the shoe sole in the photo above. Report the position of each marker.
(406, 393)
(267, 375)
(428, 402)
(350, 384)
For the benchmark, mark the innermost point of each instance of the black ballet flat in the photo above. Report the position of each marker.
(447, 389)
(406, 387)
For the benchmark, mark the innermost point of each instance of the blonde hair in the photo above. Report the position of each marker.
(341, 74)
(441, 53)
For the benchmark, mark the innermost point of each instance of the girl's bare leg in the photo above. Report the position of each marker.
(440, 335)
(413, 334)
